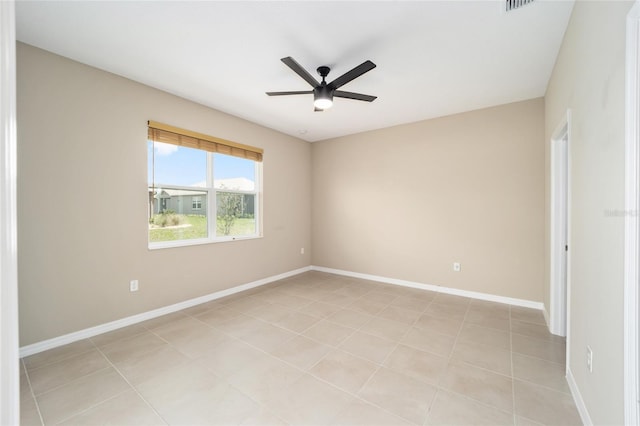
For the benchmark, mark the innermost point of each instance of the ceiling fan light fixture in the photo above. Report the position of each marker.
(322, 103)
(322, 97)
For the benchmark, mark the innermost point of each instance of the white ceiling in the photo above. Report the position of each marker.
(433, 58)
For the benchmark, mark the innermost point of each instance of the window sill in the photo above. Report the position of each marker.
(200, 241)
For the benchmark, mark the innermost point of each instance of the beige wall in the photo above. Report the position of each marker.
(408, 201)
(589, 79)
(82, 200)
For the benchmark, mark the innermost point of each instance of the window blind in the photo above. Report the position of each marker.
(164, 133)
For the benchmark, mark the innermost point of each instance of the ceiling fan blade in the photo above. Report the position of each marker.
(354, 73)
(356, 96)
(299, 92)
(291, 63)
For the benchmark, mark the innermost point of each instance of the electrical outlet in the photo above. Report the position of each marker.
(133, 285)
(457, 267)
(302, 250)
(589, 359)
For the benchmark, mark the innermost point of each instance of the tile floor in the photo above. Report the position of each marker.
(314, 349)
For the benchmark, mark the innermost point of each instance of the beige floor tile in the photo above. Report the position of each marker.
(264, 377)
(125, 409)
(57, 354)
(321, 309)
(523, 421)
(264, 418)
(267, 337)
(527, 315)
(366, 306)
(479, 384)
(132, 347)
(396, 313)
(538, 331)
(360, 413)
(337, 299)
(379, 296)
(270, 312)
(420, 365)
(192, 339)
(226, 359)
(430, 341)
(29, 415)
(451, 409)
(201, 308)
(308, 401)
(451, 300)
(296, 321)
(349, 318)
(290, 301)
(301, 352)
(217, 315)
(328, 333)
(442, 310)
(490, 357)
(402, 395)
(351, 290)
(220, 404)
(388, 329)
(121, 333)
(344, 370)
(450, 327)
(240, 325)
(373, 348)
(540, 372)
(53, 375)
(499, 310)
(539, 348)
(164, 319)
(144, 367)
(410, 303)
(487, 319)
(79, 395)
(544, 405)
(471, 333)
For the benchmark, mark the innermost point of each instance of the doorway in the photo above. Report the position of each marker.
(559, 241)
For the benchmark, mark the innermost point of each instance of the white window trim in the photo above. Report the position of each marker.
(212, 209)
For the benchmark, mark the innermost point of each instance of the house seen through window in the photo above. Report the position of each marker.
(201, 189)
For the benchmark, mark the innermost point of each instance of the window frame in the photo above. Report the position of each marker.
(211, 202)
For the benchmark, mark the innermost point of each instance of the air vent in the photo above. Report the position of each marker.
(515, 4)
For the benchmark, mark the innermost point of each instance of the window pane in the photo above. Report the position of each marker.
(238, 174)
(177, 165)
(177, 214)
(236, 214)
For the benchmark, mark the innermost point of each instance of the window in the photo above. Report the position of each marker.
(196, 203)
(201, 189)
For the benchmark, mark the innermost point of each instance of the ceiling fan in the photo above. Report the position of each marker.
(323, 92)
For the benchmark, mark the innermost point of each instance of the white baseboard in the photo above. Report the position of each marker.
(545, 313)
(577, 398)
(114, 325)
(436, 288)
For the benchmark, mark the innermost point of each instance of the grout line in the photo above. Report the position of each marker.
(33, 395)
(130, 386)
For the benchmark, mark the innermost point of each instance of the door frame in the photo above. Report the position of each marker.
(632, 219)
(560, 228)
(9, 346)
